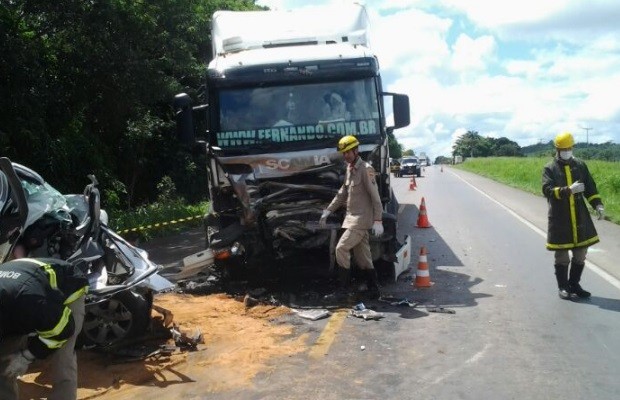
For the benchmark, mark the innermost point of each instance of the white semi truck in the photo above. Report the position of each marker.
(282, 88)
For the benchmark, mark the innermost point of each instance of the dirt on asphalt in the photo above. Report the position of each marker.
(239, 343)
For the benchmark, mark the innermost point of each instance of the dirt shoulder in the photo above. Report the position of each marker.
(239, 343)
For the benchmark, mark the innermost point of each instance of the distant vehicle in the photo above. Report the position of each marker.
(423, 163)
(410, 166)
(394, 166)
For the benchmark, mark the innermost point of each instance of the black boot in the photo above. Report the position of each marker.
(344, 282)
(344, 278)
(573, 282)
(372, 280)
(561, 274)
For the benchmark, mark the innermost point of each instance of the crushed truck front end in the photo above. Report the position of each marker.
(276, 111)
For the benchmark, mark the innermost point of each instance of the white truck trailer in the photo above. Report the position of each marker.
(282, 88)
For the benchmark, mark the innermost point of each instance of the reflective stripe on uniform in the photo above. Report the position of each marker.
(76, 295)
(48, 268)
(572, 245)
(571, 202)
(556, 193)
(53, 344)
(594, 196)
(46, 336)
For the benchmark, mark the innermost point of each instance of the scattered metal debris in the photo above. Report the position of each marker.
(402, 302)
(184, 341)
(367, 314)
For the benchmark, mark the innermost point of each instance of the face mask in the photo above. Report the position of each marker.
(566, 154)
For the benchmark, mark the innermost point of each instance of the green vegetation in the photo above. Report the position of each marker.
(88, 88)
(471, 144)
(592, 151)
(525, 173)
(158, 219)
(169, 213)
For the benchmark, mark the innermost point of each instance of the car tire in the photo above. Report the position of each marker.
(130, 318)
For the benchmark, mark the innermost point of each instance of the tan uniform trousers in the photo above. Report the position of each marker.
(63, 361)
(356, 240)
(563, 258)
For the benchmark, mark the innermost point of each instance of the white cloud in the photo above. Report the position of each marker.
(524, 70)
(469, 54)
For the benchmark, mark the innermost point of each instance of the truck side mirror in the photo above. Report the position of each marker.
(401, 110)
(184, 118)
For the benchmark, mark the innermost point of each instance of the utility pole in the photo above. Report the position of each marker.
(587, 133)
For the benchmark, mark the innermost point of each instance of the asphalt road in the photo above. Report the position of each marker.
(510, 337)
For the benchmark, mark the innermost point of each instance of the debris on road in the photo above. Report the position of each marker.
(184, 341)
(250, 301)
(312, 315)
(393, 301)
(367, 314)
(440, 310)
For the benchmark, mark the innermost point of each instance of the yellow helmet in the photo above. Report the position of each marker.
(564, 141)
(347, 143)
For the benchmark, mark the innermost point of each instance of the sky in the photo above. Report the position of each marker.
(526, 70)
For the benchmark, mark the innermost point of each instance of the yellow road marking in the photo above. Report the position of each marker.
(325, 340)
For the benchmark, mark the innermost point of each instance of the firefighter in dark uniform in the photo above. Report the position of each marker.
(35, 318)
(568, 185)
(360, 195)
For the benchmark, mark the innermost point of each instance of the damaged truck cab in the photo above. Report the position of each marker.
(283, 87)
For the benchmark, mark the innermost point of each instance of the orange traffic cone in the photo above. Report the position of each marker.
(423, 276)
(412, 184)
(422, 217)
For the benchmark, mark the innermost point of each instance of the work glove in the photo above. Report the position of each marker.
(18, 363)
(323, 220)
(600, 211)
(377, 228)
(577, 187)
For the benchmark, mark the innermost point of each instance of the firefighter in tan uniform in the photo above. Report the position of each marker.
(360, 195)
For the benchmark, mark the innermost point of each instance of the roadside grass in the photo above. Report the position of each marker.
(157, 219)
(525, 173)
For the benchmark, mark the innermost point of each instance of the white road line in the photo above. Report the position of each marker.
(595, 268)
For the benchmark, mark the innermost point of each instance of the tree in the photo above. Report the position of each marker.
(395, 148)
(91, 85)
(471, 144)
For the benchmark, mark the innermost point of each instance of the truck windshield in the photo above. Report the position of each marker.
(298, 115)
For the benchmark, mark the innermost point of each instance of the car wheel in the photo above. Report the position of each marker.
(125, 315)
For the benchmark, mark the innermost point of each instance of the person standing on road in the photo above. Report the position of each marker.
(567, 185)
(360, 195)
(41, 314)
